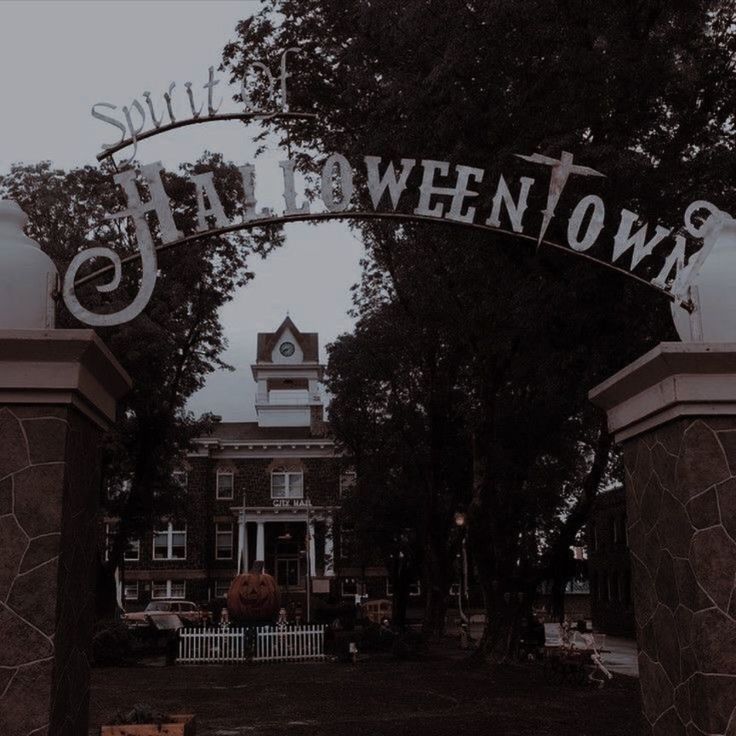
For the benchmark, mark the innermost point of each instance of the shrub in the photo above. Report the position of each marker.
(112, 643)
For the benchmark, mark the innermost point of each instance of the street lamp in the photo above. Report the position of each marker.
(463, 588)
(307, 551)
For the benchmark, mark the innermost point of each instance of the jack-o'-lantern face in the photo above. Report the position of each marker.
(253, 596)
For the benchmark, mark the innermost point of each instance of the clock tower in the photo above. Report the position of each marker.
(288, 373)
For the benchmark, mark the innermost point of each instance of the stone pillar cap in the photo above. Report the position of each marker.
(673, 379)
(61, 367)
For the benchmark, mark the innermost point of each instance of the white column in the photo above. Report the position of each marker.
(312, 548)
(246, 561)
(329, 548)
(242, 562)
(260, 543)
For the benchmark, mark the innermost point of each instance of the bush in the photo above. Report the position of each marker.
(112, 643)
(140, 713)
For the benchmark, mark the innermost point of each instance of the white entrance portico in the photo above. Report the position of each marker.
(284, 537)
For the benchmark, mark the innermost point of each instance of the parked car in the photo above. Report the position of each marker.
(377, 611)
(188, 612)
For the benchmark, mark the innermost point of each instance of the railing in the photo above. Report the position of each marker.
(272, 644)
(290, 644)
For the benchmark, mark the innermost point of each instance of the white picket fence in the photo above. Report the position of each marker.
(209, 644)
(272, 644)
(292, 644)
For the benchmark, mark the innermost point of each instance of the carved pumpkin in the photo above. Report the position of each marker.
(253, 596)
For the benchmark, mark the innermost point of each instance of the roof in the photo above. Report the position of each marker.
(251, 431)
(308, 342)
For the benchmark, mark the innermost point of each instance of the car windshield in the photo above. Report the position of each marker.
(158, 606)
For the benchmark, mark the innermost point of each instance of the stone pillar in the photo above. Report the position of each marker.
(674, 413)
(260, 543)
(58, 394)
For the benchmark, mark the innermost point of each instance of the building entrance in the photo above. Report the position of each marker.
(288, 572)
(289, 559)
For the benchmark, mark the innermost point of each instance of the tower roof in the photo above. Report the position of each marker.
(308, 342)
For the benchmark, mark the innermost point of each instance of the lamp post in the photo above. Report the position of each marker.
(309, 562)
(463, 587)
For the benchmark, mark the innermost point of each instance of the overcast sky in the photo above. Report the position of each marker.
(59, 58)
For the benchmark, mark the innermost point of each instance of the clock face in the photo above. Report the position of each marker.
(287, 349)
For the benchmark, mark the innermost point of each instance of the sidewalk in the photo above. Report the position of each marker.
(622, 658)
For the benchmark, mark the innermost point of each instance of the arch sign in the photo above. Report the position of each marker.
(446, 193)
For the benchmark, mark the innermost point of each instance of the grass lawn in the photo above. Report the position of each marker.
(436, 696)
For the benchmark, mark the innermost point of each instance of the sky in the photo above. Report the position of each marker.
(95, 51)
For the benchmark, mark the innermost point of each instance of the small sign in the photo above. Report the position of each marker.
(290, 503)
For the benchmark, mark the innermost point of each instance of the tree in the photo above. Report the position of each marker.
(643, 91)
(170, 348)
(395, 407)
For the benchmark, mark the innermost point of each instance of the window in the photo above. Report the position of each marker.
(130, 591)
(347, 481)
(132, 551)
(347, 543)
(415, 589)
(224, 486)
(170, 543)
(224, 541)
(287, 485)
(168, 589)
(221, 588)
(109, 538)
(181, 478)
(349, 587)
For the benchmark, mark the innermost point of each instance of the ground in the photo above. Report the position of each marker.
(437, 696)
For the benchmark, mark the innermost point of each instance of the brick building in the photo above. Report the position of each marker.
(265, 490)
(609, 566)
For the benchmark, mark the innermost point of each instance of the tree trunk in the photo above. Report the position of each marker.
(557, 599)
(436, 585)
(504, 613)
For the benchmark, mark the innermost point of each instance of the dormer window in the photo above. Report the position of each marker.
(287, 485)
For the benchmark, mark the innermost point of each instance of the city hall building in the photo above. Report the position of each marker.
(267, 490)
